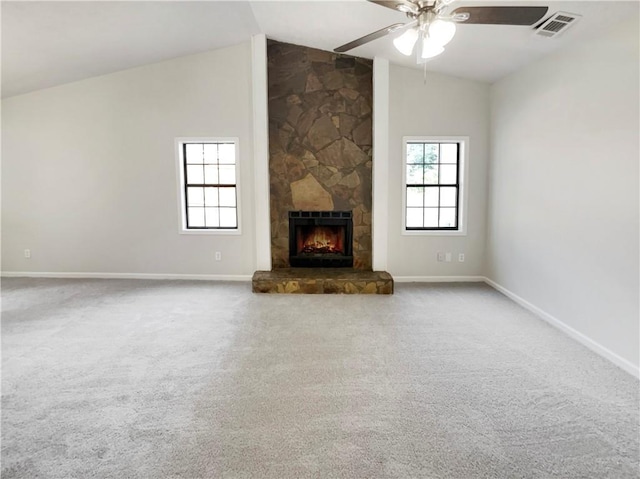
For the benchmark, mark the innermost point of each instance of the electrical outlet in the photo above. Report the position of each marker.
(218, 256)
(27, 253)
(461, 258)
(440, 256)
(447, 257)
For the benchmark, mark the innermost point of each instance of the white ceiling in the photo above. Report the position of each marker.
(49, 43)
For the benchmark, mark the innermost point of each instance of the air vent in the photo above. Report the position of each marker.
(557, 24)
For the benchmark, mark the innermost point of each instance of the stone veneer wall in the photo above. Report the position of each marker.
(320, 107)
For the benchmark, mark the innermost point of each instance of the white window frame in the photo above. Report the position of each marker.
(463, 168)
(179, 142)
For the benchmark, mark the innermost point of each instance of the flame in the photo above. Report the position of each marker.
(320, 240)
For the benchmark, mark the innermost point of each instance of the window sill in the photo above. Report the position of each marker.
(433, 233)
(211, 232)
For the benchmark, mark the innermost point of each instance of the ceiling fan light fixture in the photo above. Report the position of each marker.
(430, 48)
(405, 42)
(442, 32)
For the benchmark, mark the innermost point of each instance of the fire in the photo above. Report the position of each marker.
(320, 240)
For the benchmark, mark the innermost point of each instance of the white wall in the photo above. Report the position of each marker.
(445, 106)
(380, 171)
(89, 174)
(563, 221)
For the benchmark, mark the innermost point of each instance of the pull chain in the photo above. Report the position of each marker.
(425, 73)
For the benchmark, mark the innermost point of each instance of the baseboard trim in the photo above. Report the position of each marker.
(198, 277)
(438, 279)
(578, 336)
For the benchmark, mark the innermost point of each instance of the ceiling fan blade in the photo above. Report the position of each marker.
(400, 5)
(369, 38)
(502, 15)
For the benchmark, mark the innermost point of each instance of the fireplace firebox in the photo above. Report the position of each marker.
(321, 239)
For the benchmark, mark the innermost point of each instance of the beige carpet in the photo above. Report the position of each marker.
(154, 379)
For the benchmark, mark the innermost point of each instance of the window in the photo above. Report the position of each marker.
(208, 184)
(433, 193)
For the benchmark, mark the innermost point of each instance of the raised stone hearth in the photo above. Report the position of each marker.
(322, 281)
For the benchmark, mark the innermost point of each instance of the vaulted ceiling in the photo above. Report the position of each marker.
(49, 43)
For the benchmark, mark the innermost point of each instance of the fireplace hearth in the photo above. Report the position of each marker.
(321, 239)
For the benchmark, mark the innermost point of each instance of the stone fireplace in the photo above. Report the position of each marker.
(320, 174)
(320, 141)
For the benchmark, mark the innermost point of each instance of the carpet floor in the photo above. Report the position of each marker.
(181, 379)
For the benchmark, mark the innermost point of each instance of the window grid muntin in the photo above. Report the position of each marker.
(218, 185)
(438, 185)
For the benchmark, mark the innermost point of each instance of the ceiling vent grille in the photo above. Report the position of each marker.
(556, 24)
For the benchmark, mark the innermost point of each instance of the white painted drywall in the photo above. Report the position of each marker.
(380, 177)
(444, 106)
(89, 174)
(261, 187)
(563, 203)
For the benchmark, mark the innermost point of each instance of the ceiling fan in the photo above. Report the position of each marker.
(431, 27)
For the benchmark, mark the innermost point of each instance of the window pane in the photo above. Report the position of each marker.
(431, 153)
(415, 153)
(431, 197)
(432, 184)
(431, 175)
(227, 153)
(227, 197)
(227, 175)
(414, 174)
(447, 217)
(210, 152)
(211, 174)
(212, 217)
(228, 217)
(211, 196)
(195, 174)
(431, 217)
(449, 153)
(414, 196)
(195, 196)
(414, 217)
(447, 174)
(194, 153)
(207, 165)
(196, 217)
(448, 196)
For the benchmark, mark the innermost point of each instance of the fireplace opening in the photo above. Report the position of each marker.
(320, 239)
